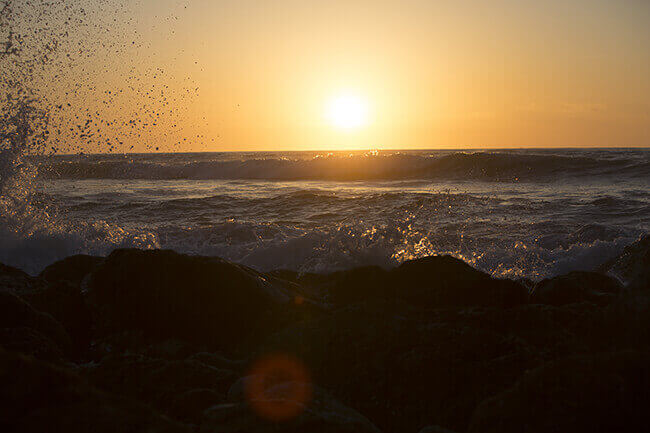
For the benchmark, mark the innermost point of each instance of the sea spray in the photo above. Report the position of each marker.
(39, 42)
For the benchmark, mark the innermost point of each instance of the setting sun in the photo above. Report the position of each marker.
(347, 111)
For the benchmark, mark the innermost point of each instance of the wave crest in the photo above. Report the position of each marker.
(491, 166)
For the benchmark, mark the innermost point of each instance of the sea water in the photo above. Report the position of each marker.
(512, 213)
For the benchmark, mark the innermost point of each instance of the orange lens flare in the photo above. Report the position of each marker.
(279, 388)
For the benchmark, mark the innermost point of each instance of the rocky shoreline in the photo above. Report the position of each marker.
(158, 341)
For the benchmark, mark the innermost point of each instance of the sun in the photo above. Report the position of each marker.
(347, 111)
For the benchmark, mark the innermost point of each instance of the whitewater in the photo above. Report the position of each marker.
(513, 213)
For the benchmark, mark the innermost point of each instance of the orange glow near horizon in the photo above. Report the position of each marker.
(449, 74)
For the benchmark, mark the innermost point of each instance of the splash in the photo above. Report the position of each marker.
(52, 100)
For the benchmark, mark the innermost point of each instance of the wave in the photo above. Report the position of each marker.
(489, 166)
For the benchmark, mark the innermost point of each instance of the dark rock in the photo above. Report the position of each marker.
(72, 269)
(61, 300)
(320, 414)
(440, 281)
(430, 282)
(11, 277)
(169, 295)
(218, 361)
(189, 406)
(36, 396)
(166, 385)
(67, 305)
(356, 285)
(435, 429)
(576, 287)
(551, 332)
(401, 373)
(30, 342)
(632, 266)
(47, 336)
(590, 393)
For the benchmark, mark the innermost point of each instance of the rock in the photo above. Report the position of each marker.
(576, 287)
(218, 361)
(170, 295)
(356, 285)
(587, 393)
(166, 385)
(47, 337)
(551, 332)
(30, 342)
(67, 305)
(61, 300)
(13, 279)
(435, 429)
(632, 267)
(72, 269)
(430, 282)
(403, 373)
(189, 406)
(36, 396)
(440, 281)
(320, 414)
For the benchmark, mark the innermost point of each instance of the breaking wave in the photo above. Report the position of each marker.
(490, 166)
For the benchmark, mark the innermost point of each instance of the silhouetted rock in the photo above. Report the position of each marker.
(13, 279)
(590, 393)
(440, 281)
(68, 306)
(399, 372)
(47, 337)
(435, 429)
(356, 285)
(321, 414)
(576, 287)
(61, 300)
(167, 294)
(430, 282)
(189, 406)
(37, 397)
(166, 385)
(30, 342)
(633, 265)
(72, 269)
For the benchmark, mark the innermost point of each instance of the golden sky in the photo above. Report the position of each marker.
(264, 74)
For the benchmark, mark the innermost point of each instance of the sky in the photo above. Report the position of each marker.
(271, 75)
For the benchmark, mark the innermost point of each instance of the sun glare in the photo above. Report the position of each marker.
(347, 111)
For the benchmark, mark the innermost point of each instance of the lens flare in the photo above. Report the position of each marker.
(279, 388)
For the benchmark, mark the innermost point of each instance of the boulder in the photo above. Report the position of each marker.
(355, 285)
(36, 396)
(67, 305)
(319, 414)
(30, 331)
(442, 281)
(14, 280)
(435, 429)
(576, 287)
(587, 393)
(72, 269)
(59, 299)
(169, 386)
(170, 295)
(403, 373)
(430, 282)
(632, 267)
(30, 342)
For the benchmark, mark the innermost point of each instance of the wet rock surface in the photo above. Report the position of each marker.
(159, 341)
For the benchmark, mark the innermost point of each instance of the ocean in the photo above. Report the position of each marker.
(512, 213)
